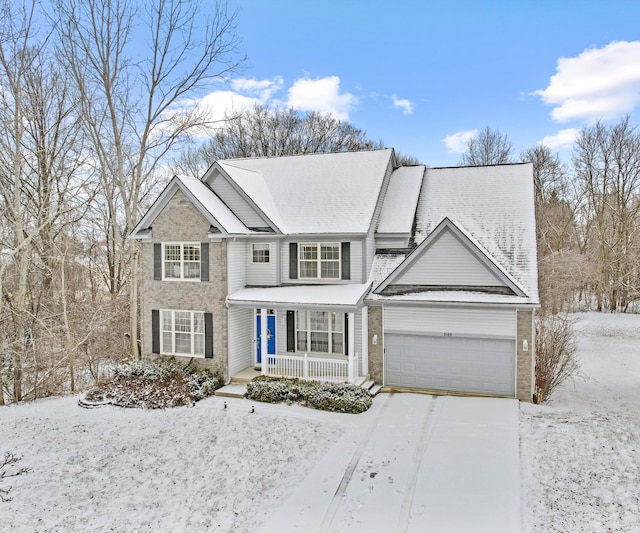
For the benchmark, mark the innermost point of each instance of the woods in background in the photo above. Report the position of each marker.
(587, 215)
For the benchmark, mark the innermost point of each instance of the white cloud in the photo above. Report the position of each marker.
(456, 143)
(217, 103)
(562, 139)
(262, 89)
(321, 95)
(598, 83)
(404, 104)
(305, 94)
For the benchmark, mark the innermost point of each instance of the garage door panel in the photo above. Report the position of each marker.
(485, 366)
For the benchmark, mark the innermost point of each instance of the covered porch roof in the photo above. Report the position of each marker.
(348, 297)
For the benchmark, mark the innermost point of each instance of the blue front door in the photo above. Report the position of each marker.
(271, 336)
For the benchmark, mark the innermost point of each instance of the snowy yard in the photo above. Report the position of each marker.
(581, 451)
(206, 467)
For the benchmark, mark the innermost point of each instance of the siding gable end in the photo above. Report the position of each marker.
(448, 260)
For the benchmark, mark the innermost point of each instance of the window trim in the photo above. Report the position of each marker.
(182, 261)
(253, 251)
(318, 245)
(330, 332)
(192, 333)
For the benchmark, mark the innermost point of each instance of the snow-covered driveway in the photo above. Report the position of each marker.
(415, 463)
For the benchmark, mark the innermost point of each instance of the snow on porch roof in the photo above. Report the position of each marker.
(301, 296)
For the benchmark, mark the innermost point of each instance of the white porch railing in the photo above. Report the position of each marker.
(311, 367)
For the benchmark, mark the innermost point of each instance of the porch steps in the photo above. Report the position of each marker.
(233, 390)
(360, 381)
(368, 384)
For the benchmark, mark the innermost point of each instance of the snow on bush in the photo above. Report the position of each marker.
(337, 397)
(154, 385)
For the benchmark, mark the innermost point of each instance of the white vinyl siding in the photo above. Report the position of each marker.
(389, 243)
(467, 322)
(448, 262)
(262, 274)
(236, 265)
(237, 204)
(240, 339)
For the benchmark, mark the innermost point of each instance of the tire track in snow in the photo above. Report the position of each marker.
(329, 516)
(426, 431)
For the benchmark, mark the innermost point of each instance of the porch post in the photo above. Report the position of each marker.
(352, 371)
(365, 341)
(264, 351)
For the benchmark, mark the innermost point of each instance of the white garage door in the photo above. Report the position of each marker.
(457, 364)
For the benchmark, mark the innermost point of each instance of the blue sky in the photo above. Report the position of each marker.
(422, 76)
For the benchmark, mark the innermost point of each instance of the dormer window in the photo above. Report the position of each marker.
(319, 260)
(181, 261)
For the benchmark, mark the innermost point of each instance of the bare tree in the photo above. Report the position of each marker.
(489, 147)
(559, 255)
(606, 161)
(18, 53)
(262, 131)
(135, 100)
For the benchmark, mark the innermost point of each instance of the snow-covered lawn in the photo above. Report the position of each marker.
(182, 469)
(216, 469)
(580, 452)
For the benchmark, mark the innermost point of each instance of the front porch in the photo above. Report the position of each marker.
(306, 336)
(305, 366)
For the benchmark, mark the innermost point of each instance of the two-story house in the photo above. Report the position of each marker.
(343, 266)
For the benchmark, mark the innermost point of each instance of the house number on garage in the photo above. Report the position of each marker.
(448, 334)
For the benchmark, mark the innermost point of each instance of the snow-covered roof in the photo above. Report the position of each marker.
(383, 265)
(255, 187)
(214, 206)
(314, 193)
(205, 200)
(494, 205)
(399, 207)
(343, 296)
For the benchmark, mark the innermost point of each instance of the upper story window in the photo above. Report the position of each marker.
(181, 261)
(261, 253)
(319, 260)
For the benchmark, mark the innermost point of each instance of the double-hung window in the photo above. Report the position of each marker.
(182, 333)
(261, 253)
(319, 260)
(181, 261)
(320, 332)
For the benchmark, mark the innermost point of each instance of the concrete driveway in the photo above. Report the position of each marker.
(415, 463)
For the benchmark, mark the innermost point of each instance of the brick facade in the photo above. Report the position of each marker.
(180, 221)
(525, 360)
(376, 351)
